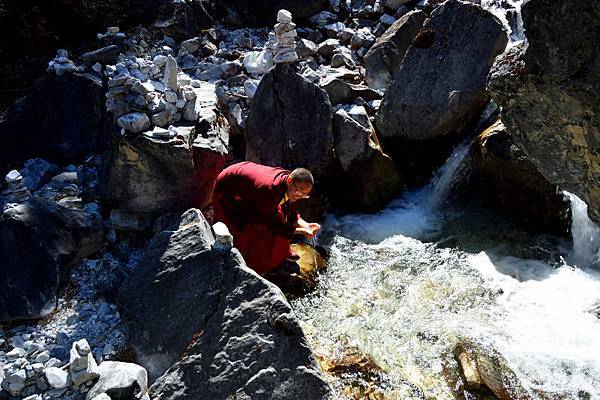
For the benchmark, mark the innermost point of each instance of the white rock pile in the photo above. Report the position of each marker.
(61, 64)
(144, 93)
(18, 190)
(285, 35)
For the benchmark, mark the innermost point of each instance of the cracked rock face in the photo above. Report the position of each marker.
(223, 330)
(290, 123)
(549, 93)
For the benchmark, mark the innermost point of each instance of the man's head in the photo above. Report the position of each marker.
(299, 184)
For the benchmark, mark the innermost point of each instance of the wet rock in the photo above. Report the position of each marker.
(290, 123)
(370, 173)
(513, 182)
(39, 240)
(549, 94)
(485, 372)
(359, 373)
(120, 380)
(385, 56)
(299, 277)
(240, 324)
(61, 120)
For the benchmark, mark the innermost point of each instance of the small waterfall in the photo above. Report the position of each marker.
(414, 213)
(586, 235)
(509, 13)
(446, 178)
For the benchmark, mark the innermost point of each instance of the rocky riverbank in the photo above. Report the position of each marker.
(108, 255)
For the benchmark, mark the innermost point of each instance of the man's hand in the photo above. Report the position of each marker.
(308, 230)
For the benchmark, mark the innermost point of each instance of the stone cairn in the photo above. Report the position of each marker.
(17, 188)
(62, 64)
(82, 365)
(285, 37)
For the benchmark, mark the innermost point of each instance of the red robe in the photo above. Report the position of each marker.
(248, 199)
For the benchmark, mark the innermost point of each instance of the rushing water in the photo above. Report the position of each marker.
(509, 13)
(406, 285)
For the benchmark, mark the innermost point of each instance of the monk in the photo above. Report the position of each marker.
(259, 206)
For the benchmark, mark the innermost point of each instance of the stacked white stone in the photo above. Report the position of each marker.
(16, 186)
(285, 34)
(82, 365)
(62, 64)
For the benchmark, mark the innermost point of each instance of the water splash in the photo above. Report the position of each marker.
(415, 213)
(446, 178)
(586, 235)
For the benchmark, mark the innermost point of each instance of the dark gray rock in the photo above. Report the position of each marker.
(111, 275)
(550, 93)
(60, 121)
(104, 55)
(289, 124)
(37, 172)
(39, 241)
(384, 57)
(512, 182)
(228, 332)
(440, 85)
(182, 19)
(264, 12)
(342, 92)
(370, 178)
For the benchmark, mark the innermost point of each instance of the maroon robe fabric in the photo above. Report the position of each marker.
(247, 199)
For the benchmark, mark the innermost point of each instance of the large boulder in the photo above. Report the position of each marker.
(512, 181)
(369, 178)
(289, 124)
(264, 12)
(440, 86)
(60, 121)
(180, 19)
(39, 240)
(194, 308)
(160, 171)
(384, 57)
(550, 95)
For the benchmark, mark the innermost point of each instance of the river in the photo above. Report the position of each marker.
(410, 285)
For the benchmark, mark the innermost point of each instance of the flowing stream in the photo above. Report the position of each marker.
(410, 285)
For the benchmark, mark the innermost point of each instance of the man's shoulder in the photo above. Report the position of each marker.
(257, 171)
